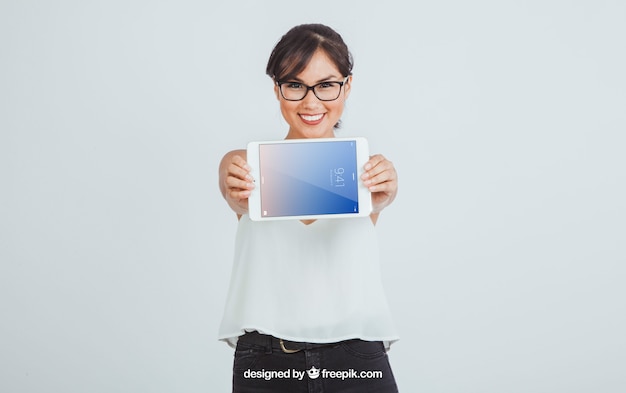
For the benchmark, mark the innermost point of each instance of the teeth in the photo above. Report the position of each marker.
(312, 118)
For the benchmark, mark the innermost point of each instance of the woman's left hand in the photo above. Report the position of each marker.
(381, 179)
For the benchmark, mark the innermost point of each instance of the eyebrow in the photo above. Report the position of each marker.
(328, 78)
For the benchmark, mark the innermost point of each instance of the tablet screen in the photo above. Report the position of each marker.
(311, 178)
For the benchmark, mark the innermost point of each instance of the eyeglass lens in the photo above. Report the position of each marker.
(325, 91)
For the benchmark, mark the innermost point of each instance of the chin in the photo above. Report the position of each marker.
(316, 132)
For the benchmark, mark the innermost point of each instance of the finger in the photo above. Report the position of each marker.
(376, 165)
(239, 173)
(238, 167)
(240, 162)
(374, 161)
(234, 183)
(387, 187)
(386, 176)
(239, 195)
(383, 171)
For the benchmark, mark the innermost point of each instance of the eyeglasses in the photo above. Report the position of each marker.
(324, 91)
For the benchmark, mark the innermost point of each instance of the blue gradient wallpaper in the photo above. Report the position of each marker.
(308, 178)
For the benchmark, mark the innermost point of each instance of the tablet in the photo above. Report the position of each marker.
(308, 179)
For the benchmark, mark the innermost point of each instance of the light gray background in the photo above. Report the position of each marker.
(504, 253)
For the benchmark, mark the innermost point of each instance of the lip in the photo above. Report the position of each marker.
(312, 120)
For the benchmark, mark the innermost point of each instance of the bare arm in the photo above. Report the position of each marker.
(235, 181)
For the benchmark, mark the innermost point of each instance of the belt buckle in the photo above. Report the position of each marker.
(285, 350)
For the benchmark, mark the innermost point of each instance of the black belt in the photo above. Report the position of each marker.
(271, 342)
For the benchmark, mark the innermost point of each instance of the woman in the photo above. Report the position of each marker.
(306, 309)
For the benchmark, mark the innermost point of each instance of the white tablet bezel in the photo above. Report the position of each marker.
(254, 201)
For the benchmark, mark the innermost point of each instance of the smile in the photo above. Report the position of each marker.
(312, 118)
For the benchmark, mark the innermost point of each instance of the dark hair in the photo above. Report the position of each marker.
(295, 49)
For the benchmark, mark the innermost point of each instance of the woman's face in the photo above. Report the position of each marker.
(310, 117)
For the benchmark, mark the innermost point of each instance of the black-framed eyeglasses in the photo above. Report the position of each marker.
(324, 91)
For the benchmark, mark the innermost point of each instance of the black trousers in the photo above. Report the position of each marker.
(265, 364)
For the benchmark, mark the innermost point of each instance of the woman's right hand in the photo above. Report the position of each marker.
(236, 183)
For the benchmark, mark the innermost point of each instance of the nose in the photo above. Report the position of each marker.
(310, 97)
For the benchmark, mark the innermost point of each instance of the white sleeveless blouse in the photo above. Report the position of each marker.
(317, 283)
